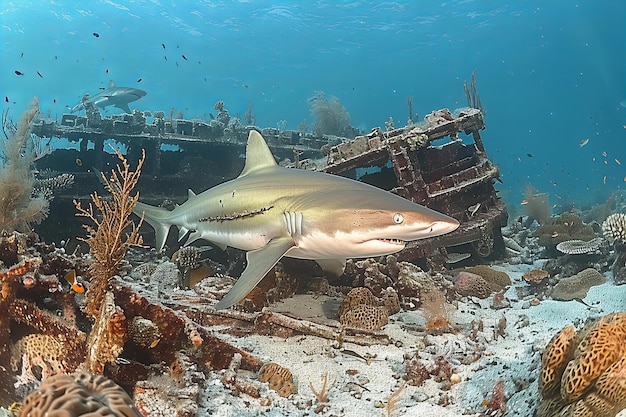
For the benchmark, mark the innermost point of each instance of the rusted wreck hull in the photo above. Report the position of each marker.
(454, 177)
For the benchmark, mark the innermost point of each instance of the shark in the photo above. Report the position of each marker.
(113, 96)
(272, 211)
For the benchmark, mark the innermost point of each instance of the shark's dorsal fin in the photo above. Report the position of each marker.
(258, 154)
(111, 84)
(190, 194)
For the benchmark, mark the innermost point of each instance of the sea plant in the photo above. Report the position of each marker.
(21, 203)
(330, 116)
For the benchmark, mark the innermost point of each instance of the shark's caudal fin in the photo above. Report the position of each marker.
(260, 261)
(156, 217)
(258, 154)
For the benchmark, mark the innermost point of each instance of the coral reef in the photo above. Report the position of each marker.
(560, 229)
(21, 204)
(577, 286)
(584, 372)
(79, 395)
(408, 280)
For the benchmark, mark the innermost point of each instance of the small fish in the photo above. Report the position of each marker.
(604, 179)
(555, 234)
(163, 45)
(76, 286)
(524, 202)
(96, 35)
(583, 142)
(184, 57)
(140, 80)
(40, 76)
(165, 56)
(18, 72)
(356, 355)
(530, 155)
(604, 153)
(79, 162)
(519, 159)
(6, 99)
(22, 55)
(106, 71)
(618, 162)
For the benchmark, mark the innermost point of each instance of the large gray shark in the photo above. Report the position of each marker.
(271, 212)
(113, 96)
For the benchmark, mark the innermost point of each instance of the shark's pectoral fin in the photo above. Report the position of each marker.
(124, 106)
(333, 267)
(260, 261)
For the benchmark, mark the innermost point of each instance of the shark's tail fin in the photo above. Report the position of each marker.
(158, 218)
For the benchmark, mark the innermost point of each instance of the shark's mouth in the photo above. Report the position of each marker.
(396, 242)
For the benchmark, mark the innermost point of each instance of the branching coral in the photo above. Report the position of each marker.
(20, 205)
(114, 232)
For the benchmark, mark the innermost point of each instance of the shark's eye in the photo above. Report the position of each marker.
(398, 218)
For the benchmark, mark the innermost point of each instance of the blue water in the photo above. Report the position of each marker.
(550, 73)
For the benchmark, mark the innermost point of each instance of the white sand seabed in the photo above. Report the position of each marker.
(514, 358)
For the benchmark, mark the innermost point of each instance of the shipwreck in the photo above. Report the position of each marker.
(440, 163)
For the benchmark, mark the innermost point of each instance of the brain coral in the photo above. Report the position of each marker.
(589, 366)
(471, 285)
(78, 395)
